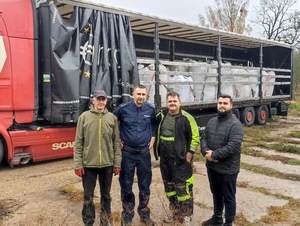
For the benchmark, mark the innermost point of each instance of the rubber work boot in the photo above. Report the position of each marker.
(148, 221)
(213, 221)
(125, 223)
(105, 222)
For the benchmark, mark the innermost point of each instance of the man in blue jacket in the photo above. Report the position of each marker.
(137, 131)
(221, 145)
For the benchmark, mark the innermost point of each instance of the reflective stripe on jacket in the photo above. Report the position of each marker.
(186, 137)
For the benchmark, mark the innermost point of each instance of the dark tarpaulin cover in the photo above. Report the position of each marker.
(89, 51)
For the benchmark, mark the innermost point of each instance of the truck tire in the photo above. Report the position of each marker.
(248, 116)
(262, 114)
(236, 113)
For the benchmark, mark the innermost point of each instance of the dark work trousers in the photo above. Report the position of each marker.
(178, 182)
(141, 160)
(223, 188)
(89, 180)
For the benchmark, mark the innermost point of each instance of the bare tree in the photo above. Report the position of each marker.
(228, 15)
(292, 36)
(279, 21)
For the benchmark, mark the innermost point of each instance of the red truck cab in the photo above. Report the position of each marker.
(21, 139)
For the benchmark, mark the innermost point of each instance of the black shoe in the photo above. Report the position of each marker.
(214, 221)
(89, 224)
(227, 224)
(148, 221)
(105, 222)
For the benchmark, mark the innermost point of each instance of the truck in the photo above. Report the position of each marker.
(55, 54)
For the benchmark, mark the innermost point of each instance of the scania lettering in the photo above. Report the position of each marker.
(62, 145)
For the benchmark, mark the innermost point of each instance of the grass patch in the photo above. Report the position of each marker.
(8, 207)
(241, 220)
(294, 107)
(283, 159)
(276, 214)
(244, 184)
(294, 204)
(74, 194)
(294, 162)
(264, 137)
(291, 141)
(280, 147)
(258, 135)
(252, 152)
(249, 144)
(259, 132)
(296, 134)
(270, 172)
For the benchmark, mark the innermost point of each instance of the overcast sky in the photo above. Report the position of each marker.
(179, 10)
(187, 10)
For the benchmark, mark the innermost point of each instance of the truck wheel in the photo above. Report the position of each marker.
(248, 116)
(236, 113)
(262, 114)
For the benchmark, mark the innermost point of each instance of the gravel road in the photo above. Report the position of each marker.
(30, 195)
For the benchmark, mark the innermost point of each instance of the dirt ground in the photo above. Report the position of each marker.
(31, 195)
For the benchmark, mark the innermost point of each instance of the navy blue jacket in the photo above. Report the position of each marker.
(137, 125)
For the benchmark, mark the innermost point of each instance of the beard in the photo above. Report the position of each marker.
(223, 112)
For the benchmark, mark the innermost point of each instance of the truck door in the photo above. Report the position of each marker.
(5, 70)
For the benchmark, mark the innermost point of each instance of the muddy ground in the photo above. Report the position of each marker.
(32, 195)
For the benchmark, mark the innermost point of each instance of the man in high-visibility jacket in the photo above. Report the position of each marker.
(176, 143)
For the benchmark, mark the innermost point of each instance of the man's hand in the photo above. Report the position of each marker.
(79, 172)
(116, 171)
(151, 143)
(208, 156)
(189, 156)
